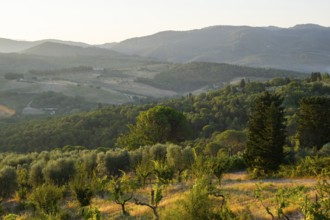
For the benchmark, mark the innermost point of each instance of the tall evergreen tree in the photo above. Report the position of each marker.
(266, 134)
(314, 122)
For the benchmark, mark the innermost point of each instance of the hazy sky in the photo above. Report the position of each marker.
(100, 21)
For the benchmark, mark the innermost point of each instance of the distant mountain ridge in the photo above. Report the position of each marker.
(15, 46)
(62, 50)
(303, 47)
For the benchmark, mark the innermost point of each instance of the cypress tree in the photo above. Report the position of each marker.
(266, 134)
(314, 122)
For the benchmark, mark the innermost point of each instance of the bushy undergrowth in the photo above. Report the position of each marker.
(306, 167)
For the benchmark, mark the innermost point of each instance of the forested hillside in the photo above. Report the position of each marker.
(207, 114)
(192, 76)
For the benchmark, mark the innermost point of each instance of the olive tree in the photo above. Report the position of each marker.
(8, 181)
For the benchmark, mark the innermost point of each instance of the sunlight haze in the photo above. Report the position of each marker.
(102, 21)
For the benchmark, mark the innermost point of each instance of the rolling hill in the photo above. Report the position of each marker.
(61, 50)
(189, 77)
(303, 47)
(50, 55)
(14, 46)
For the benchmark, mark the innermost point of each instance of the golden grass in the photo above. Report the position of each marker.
(241, 196)
(238, 190)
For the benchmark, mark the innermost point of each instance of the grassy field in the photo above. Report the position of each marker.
(239, 192)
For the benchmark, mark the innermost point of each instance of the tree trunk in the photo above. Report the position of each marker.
(123, 209)
(154, 209)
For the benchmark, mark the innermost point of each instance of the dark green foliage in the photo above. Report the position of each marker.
(266, 134)
(93, 129)
(83, 186)
(59, 172)
(36, 176)
(314, 122)
(159, 124)
(179, 159)
(233, 140)
(157, 152)
(8, 181)
(219, 165)
(84, 196)
(116, 161)
(306, 167)
(212, 149)
(236, 163)
(23, 182)
(242, 84)
(46, 198)
(279, 81)
(89, 163)
(215, 111)
(325, 150)
(316, 76)
(191, 76)
(254, 87)
(14, 160)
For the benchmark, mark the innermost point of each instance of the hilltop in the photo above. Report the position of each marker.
(64, 50)
(302, 48)
(15, 46)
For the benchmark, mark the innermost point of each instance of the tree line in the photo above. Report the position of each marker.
(207, 114)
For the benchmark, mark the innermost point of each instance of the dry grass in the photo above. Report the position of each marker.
(237, 189)
(239, 195)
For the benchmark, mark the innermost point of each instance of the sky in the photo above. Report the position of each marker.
(104, 21)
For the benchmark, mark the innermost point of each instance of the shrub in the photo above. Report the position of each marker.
(309, 166)
(60, 171)
(236, 163)
(116, 161)
(83, 188)
(196, 205)
(46, 198)
(36, 176)
(8, 181)
(92, 213)
(10, 217)
(325, 150)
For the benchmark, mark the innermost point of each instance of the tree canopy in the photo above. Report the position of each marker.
(314, 122)
(266, 134)
(159, 124)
